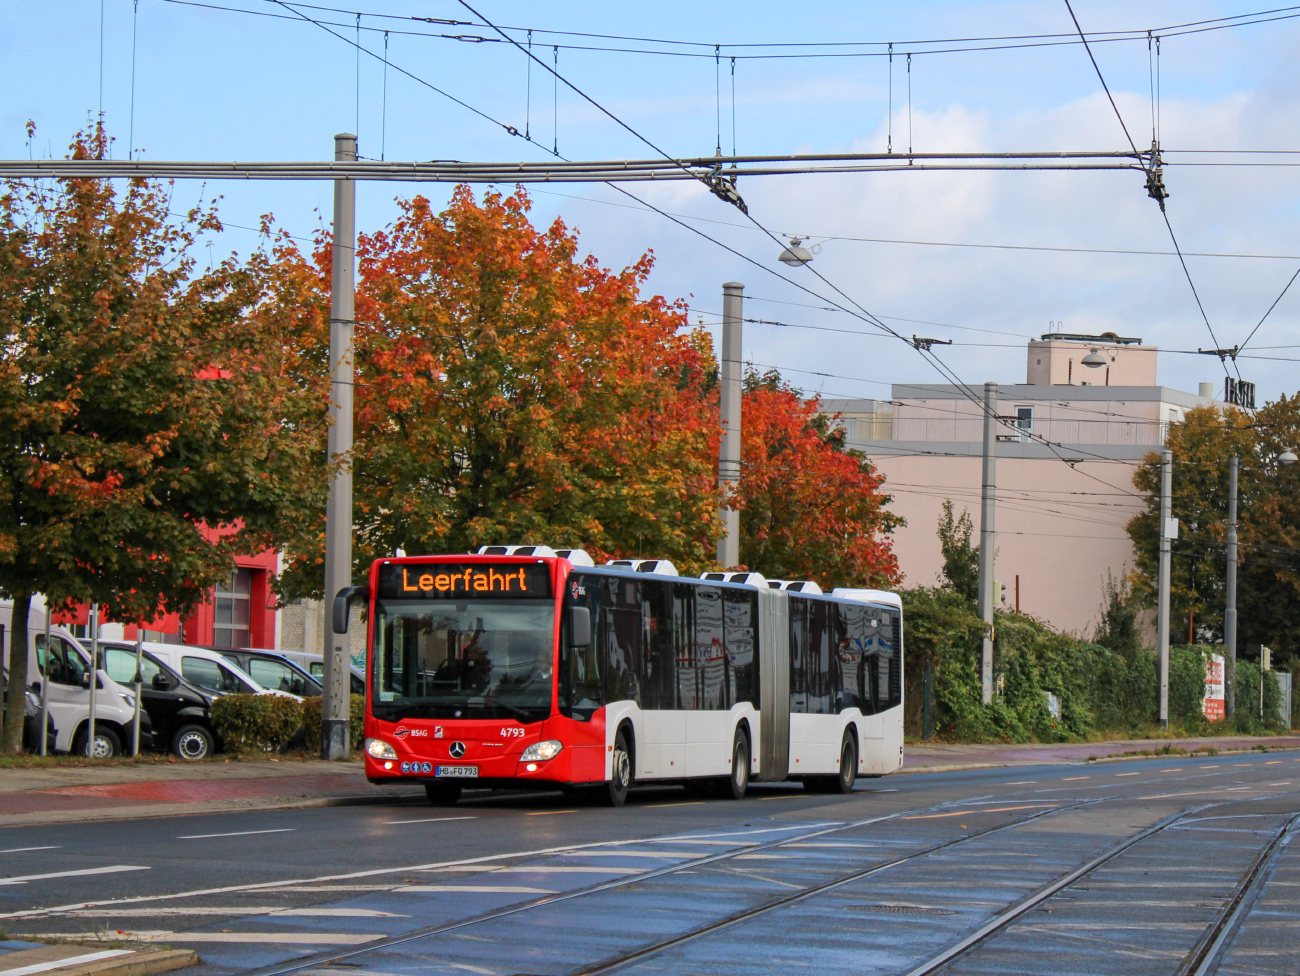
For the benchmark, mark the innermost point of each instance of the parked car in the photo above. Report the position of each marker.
(209, 670)
(274, 670)
(32, 721)
(67, 665)
(178, 709)
(315, 664)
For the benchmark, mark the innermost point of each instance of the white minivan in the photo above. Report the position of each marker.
(210, 670)
(67, 664)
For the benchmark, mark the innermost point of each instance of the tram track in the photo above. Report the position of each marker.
(336, 957)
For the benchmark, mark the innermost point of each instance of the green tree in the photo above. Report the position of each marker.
(961, 559)
(1268, 582)
(1118, 627)
(151, 422)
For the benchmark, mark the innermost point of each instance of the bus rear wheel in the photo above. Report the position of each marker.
(843, 781)
(738, 782)
(614, 792)
(442, 794)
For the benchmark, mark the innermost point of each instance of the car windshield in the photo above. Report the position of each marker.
(463, 660)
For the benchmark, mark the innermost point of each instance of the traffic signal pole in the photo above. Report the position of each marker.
(338, 507)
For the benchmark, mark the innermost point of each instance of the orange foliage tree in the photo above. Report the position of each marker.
(509, 392)
(810, 508)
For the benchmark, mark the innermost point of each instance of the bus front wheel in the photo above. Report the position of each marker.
(614, 793)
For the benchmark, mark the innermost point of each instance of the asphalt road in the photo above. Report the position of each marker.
(1150, 866)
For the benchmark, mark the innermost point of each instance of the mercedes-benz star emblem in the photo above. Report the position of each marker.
(457, 750)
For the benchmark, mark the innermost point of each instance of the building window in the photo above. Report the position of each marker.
(233, 609)
(1025, 422)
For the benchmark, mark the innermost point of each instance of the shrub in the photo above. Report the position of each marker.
(256, 723)
(311, 722)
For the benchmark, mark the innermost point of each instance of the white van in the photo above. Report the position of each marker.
(209, 670)
(68, 693)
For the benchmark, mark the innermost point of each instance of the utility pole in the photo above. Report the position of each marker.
(335, 706)
(988, 505)
(1162, 600)
(729, 451)
(1230, 610)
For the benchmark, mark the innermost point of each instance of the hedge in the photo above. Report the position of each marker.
(256, 723)
(311, 722)
(1100, 690)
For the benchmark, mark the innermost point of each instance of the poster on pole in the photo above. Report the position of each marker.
(1212, 704)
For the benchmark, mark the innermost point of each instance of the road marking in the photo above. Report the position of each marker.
(1243, 764)
(1128, 774)
(483, 889)
(686, 803)
(315, 883)
(429, 820)
(1023, 782)
(1208, 767)
(238, 833)
(229, 912)
(547, 813)
(19, 850)
(287, 938)
(115, 869)
(1071, 779)
(564, 869)
(958, 813)
(42, 967)
(1285, 782)
(1272, 762)
(668, 854)
(784, 796)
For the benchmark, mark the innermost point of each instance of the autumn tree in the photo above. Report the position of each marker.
(510, 391)
(809, 507)
(1268, 581)
(142, 402)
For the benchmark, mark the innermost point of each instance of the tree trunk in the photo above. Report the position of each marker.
(15, 691)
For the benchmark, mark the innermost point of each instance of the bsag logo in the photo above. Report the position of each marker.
(402, 733)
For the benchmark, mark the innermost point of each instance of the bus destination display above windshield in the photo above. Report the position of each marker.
(465, 581)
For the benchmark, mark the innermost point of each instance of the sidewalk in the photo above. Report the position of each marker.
(32, 796)
(943, 757)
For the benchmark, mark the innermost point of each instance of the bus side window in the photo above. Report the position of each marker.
(686, 676)
(798, 652)
(621, 637)
(890, 692)
(740, 639)
(658, 674)
(581, 688)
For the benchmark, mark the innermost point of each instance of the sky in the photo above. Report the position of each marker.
(220, 84)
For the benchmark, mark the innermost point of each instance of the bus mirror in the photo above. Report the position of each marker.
(579, 626)
(343, 605)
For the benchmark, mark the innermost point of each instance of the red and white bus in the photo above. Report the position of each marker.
(523, 665)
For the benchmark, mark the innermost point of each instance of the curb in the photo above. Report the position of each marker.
(1085, 761)
(74, 960)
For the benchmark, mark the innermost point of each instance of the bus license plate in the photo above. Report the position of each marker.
(462, 772)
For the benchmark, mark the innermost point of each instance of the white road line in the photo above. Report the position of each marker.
(229, 912)
(19, 850)
(666, 854)
(43, 967)
(429, 820)
(238, 833)
(115, 869)
(482, 889)
(283, 938)
(1023, 782)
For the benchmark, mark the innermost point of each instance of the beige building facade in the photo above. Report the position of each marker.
(1069, 441)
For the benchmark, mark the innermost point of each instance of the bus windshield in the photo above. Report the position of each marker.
(479, 659)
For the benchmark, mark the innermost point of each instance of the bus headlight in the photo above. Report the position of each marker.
(379, 749)
(542, 750)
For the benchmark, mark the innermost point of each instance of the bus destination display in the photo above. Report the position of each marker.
(461, 581)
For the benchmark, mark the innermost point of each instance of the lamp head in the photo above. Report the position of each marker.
(1286, 457)
(795, 255)
(1094, 359)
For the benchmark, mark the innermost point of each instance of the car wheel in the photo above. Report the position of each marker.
(192, 742)
(738, 782)
(442, 794)
(107, 744)
(620, 776)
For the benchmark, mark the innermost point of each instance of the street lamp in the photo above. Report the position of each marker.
(1093, 359)
(796, 256)
(1286, 457)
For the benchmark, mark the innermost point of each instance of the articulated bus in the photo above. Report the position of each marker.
(526, 666)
